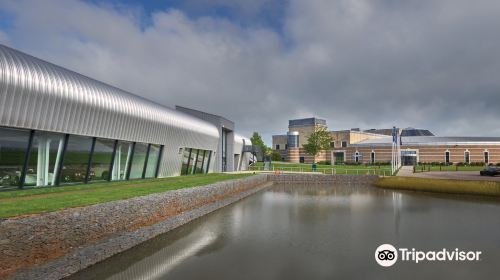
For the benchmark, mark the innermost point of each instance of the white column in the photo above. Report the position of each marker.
(56, 171)
(117, 163)
(42, 170)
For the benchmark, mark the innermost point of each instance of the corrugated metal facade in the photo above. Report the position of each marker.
(244, 157)
(35, 94)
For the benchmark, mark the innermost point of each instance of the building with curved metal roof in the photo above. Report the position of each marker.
(58, 126)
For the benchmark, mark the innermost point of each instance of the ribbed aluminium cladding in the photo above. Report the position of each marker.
(35, 94)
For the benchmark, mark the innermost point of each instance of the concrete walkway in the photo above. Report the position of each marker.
(405, 171)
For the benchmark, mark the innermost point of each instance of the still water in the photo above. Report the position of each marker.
(319, 232)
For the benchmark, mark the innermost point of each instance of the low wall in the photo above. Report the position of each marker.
(323, 179)
(57, 244)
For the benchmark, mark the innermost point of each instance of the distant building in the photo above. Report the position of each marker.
(375, 146)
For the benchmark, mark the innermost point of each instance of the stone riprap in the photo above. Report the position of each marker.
(57, 244)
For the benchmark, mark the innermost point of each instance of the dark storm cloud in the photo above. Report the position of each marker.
(368, 64)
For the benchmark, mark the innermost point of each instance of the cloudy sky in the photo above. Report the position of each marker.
(431, 64)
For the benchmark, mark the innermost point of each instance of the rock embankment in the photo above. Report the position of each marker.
(57, 244)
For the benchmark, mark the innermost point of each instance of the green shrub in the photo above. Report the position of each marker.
(275, 156)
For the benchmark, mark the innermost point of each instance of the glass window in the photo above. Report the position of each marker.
(13, 146)
(154, 156)
(277, 146)
(101, 159)
(206, 162)
(372, 157)
(122, 160)
(199, 162)
(185, 161)
(293, 139)
(447, 157)
(192, 161)
(339, 157)
(467, 157)
(344, 144)
(224, 150)
(76, 159)
(332, 144)
(46, 155)
(486, 157)
(138, 161)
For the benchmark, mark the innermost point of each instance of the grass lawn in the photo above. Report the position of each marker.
(441, 186)
(327, 169)
(21, 202)
(426, 168)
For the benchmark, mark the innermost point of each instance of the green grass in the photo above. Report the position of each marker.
(441, 185)
(22, 202)
(327, 169)
(427, 168)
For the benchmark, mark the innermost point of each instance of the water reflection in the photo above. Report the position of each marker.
(316, 232)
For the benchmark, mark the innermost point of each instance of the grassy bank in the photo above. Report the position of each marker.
(40, 200)
(441, 186)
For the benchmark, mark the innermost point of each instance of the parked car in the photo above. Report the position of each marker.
(490, 171)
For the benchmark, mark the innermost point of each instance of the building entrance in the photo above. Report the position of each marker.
(408, 158)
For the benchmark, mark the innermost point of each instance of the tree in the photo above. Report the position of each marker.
(318, 141)
(257, 141)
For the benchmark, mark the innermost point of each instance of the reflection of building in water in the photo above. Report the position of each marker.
(397, 204)
(163, 261)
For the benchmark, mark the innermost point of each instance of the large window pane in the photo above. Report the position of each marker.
(154, 155)
(46, 154)
(76, 159)
(122, 160)
(13, 145)
(206, 163)
(138, 162)
(199, 162)
(224, 150)
(101, 159)
(192, 161)
(185, 161)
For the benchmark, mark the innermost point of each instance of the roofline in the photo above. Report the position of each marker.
(199, 111)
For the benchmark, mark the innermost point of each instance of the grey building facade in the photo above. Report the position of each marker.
(58, 127)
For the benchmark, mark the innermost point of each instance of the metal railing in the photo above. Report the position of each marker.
(327, 171)
(443, 167)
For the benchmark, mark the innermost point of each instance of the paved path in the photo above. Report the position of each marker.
(455, 175)
(405, 171)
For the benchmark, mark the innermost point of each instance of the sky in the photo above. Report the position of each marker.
(430, 64)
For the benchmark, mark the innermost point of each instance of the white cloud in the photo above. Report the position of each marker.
(430, 64)
(4, 39)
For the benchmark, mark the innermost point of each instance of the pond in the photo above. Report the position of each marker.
(319, 232)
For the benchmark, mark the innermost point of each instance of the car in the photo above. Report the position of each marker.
(490, 171)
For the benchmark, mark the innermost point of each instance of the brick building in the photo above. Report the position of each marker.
(375, 146)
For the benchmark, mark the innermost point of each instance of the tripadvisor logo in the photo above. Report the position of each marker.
(387, 255)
